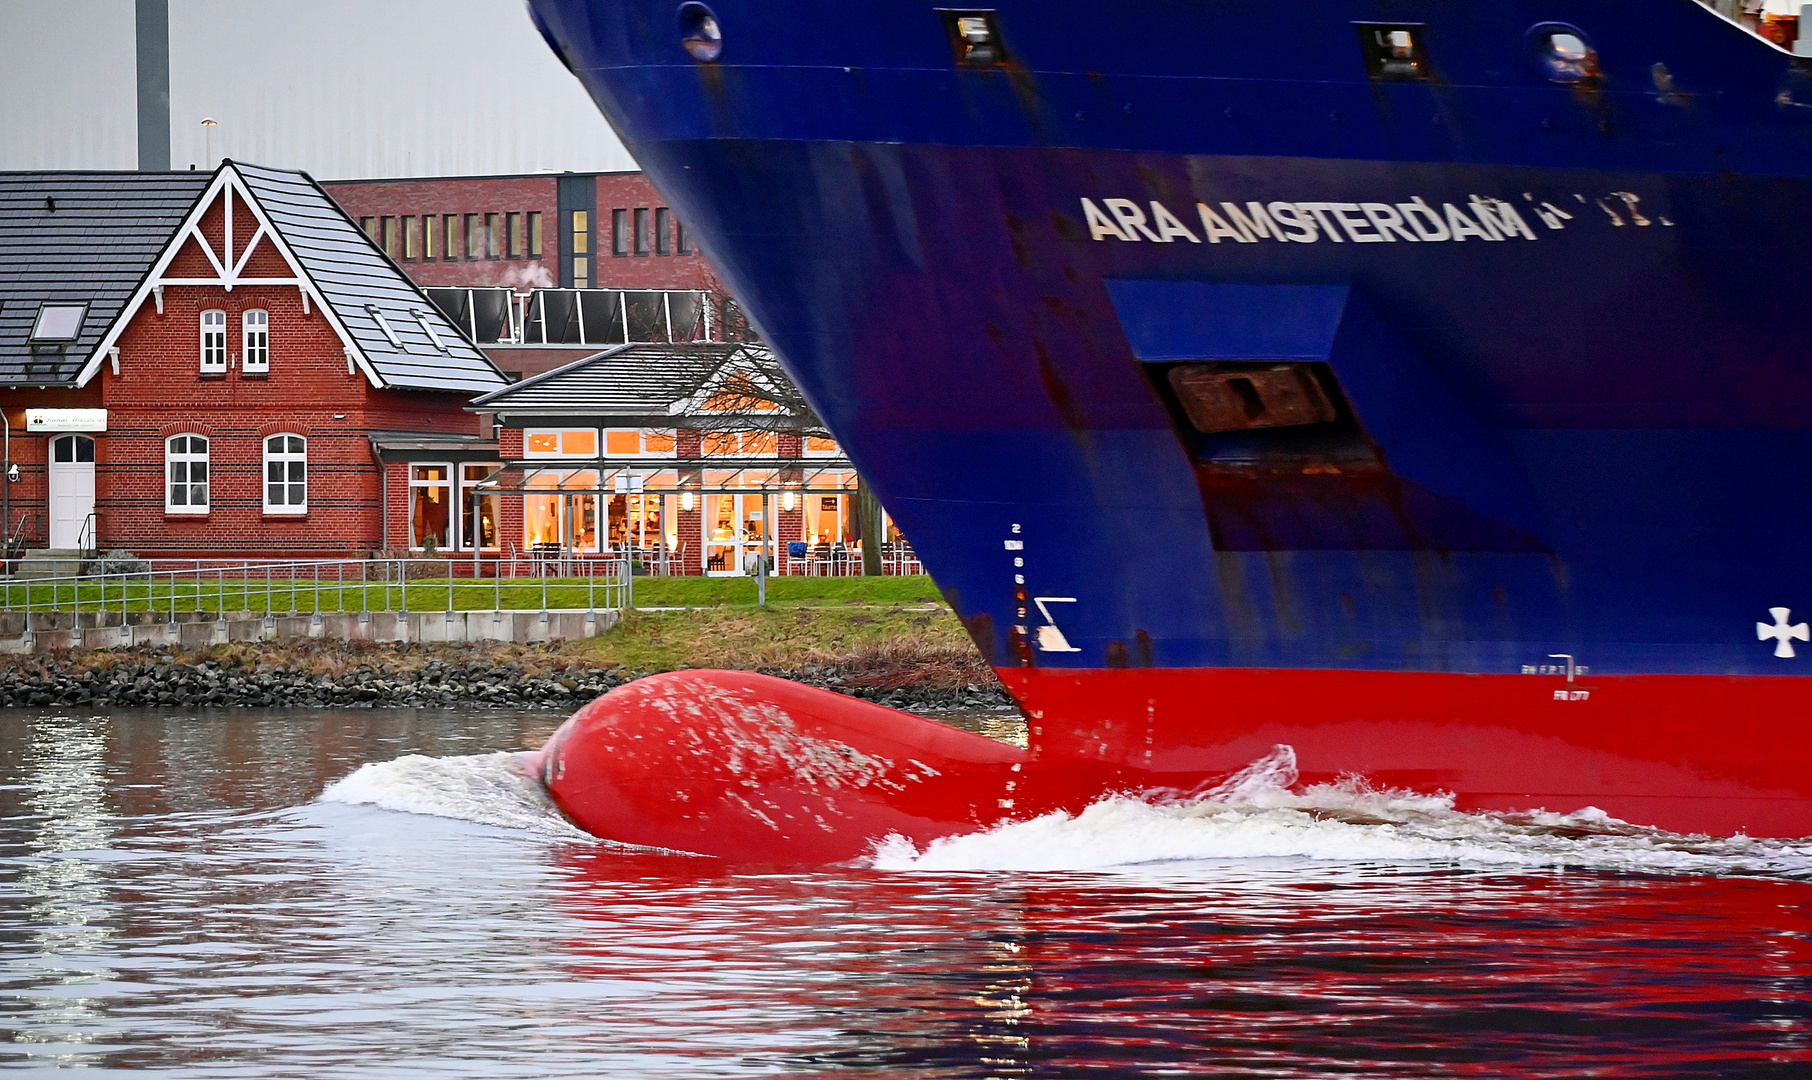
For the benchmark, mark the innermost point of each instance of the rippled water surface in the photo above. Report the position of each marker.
(178, 895)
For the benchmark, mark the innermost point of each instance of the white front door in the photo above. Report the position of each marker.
(71, 491)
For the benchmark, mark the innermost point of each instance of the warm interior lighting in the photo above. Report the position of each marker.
(685, 501)
(789, 501)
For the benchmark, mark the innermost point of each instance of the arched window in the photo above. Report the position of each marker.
(285, 474)
(213, 342)
(186, 474)
(256, 324)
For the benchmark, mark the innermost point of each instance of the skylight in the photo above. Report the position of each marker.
(384, 325)
(59, 322)
(428, 328)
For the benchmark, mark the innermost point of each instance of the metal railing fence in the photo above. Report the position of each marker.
(849, 564)
(590, 583)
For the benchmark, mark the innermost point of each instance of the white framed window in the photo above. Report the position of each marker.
(431, 506)
(186, 474)
(560, 442)
(638, 442)
(743, 443)
(213, 342)
(480, 509)
(255, 325)
(285, 474)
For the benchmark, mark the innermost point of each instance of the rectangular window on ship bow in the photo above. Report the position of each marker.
(975, 38)
(1393, 51)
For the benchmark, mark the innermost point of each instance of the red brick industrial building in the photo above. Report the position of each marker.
(487, 247)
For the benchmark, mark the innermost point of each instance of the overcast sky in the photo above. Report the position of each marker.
(341, 88)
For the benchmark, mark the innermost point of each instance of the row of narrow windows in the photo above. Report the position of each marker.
(451, 237)
(641, 230)
(634, 230)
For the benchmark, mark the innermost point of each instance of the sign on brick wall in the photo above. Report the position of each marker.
(66, 419)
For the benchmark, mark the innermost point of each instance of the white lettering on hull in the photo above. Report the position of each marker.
(1417, 221)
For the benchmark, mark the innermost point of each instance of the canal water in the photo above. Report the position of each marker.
(377, 893)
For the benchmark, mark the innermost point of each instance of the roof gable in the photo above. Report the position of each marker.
(637, 382)
(258, 226)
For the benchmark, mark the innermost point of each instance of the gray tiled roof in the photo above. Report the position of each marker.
(354, 275)
(629, 381)
(94, 248)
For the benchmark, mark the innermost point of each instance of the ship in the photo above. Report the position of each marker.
(1424, 387)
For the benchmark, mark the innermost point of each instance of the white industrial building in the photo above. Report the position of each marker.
(340, 88)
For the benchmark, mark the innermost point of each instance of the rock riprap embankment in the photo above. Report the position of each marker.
(168, 681)
(419, 676)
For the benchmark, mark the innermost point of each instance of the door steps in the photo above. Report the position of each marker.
(49, 562)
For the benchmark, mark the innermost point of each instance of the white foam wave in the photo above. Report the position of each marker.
(491, 789)
(1261, 813)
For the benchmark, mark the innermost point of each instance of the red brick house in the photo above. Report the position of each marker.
(217, 366)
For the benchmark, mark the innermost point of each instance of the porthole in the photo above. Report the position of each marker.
(699, 32)
(1564, 53)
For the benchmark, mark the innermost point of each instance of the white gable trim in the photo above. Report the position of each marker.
(695, 402)
(227, 182)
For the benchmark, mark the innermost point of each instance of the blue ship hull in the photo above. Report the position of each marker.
(1560, 321)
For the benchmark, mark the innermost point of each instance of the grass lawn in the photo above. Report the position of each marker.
(887, 646)
(719, 592)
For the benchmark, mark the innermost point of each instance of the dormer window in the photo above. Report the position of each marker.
(58, 323)
(213, 342)
(256, 330)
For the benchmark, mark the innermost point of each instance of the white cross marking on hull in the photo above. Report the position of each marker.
(1782, 633)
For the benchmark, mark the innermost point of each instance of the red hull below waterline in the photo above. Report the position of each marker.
(763, 770)
(1687, 753)
(759, 769)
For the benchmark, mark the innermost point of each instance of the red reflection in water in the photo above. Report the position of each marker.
(1304, 970)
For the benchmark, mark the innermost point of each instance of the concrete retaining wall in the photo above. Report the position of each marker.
(46, 630)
